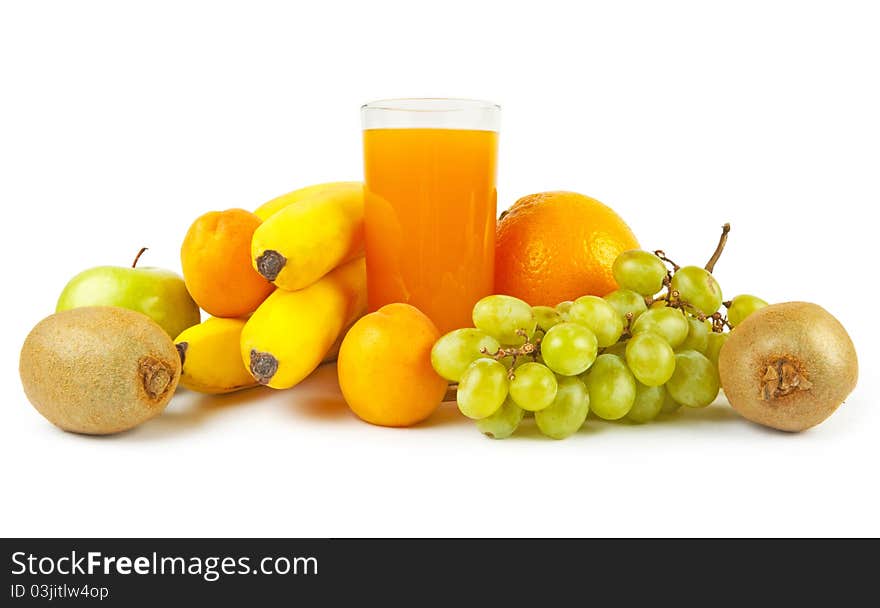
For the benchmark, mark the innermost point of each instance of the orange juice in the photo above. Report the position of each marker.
(430, 219)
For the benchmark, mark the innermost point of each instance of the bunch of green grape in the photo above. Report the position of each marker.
(648, 348)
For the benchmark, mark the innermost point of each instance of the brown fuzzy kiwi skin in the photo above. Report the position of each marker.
(99, 370)
(804, 342)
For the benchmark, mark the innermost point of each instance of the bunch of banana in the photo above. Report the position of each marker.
(311, 246)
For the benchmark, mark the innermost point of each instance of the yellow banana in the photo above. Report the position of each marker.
(211, 357)
(302, 242)
(277, 204)
(293, 331)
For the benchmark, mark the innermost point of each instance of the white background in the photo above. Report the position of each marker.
(122, 122)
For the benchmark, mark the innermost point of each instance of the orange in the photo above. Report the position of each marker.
(384, 367)
(557, 246)
(216, 260)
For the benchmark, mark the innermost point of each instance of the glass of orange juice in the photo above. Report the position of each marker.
(430, 204)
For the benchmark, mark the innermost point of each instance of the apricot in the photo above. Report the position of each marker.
(385, 370)
(216, 260)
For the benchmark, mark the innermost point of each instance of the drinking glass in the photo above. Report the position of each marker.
(430, 204)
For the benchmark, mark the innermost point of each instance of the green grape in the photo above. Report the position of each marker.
(568, 411)
(562, 308)
(533, 387)
(694, 382)
(599, 316)
(502, 316)
(569, 349)
(697, 287)
(715, 342)
(698, 335)
(482, 388)
(546, 316)
(618, 349)
(452, 353)
(639, 271)
(624, 301)
(741, 307)
(670, 405)
(612, 387)
(668, 323)
(503, 423)
(650, 359)
(648, 403)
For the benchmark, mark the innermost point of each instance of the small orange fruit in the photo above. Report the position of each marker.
(216, 260)
(385, 370)
(557, 246)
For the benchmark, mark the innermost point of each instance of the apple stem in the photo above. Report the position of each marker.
(138, 256)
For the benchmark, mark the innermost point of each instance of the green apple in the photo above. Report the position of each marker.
(159, 294)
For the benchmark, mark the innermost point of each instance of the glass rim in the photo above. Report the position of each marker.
(412, 104)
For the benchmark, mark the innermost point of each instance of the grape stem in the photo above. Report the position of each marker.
(627, 331)
(527, 349)
(719, 249)
(662, 255)
(670, 296)
(719, 322)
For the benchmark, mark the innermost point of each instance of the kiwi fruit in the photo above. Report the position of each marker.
(99, 370)
(788, 366)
